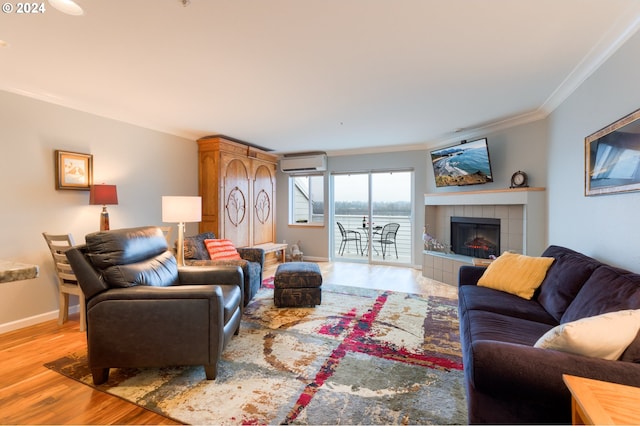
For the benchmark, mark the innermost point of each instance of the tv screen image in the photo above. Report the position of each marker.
(466, 163)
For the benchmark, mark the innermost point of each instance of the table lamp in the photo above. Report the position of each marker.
(181, 210)
(103, 194)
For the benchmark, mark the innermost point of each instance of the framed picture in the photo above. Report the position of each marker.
(74, 170)
(612, 157)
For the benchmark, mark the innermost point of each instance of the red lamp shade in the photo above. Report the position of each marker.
(103, 194)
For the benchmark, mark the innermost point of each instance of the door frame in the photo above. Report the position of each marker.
(332, 216)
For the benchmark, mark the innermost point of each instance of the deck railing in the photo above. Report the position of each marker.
(353, 222)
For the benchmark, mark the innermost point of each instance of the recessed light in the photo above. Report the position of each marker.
(67, 6)
(3, 43)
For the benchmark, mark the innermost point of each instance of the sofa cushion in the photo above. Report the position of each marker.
(602, 336)
(484, 325)
(472, 297)
(221, 249)
(516, 274)
(564, 279)
(608, 289)
(194, 248)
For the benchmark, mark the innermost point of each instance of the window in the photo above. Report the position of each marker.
(306, 199)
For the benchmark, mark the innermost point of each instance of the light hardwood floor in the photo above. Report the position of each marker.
(32, 394)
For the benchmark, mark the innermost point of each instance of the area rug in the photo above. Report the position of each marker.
(361, 357)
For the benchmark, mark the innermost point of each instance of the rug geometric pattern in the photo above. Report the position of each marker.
(361, 357)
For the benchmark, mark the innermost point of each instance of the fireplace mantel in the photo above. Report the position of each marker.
(515, 196)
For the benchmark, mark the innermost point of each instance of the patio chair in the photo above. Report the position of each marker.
(349, 235)
(387, 236)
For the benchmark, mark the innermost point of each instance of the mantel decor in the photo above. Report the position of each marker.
(73, 170)
(612, 157)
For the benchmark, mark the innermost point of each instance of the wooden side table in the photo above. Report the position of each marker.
(594, 402)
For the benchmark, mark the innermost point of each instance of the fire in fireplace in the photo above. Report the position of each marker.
(475, 236)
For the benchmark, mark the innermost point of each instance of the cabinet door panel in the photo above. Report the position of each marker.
(209, 166)
(236, 203)
(263, 205)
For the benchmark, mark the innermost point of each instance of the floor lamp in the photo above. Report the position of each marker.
(181, 210)
(103, 194)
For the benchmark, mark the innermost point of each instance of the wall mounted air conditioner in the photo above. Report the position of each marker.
(300, 163)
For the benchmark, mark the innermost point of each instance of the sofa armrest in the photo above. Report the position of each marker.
(252, 254)
(469, 275)
(210, 274)
(512, 369)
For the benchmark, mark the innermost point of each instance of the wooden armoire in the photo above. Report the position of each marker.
(237, 183)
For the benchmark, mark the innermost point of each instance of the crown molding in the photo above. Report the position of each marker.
(598, 55)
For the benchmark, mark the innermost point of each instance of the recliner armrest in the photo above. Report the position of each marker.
(211, 274)
(179, 292)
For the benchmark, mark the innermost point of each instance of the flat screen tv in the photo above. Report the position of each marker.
(466, 163)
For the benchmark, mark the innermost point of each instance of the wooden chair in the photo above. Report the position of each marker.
(67, 282)
(167, 230)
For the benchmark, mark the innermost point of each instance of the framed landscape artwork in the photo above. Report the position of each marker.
(612, 157)
(73, 170)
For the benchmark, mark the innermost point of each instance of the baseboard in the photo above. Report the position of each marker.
(36, 319)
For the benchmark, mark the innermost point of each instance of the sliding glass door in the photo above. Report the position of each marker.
(373, 219)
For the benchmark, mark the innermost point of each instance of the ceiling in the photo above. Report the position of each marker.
(305, 75)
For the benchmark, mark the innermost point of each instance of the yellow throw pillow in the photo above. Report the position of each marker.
(516, 274)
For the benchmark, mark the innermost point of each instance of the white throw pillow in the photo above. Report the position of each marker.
(602, 336)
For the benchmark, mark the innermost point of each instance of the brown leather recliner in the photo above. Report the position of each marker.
(144, 311)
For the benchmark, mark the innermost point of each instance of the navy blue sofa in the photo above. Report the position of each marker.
(507, 379)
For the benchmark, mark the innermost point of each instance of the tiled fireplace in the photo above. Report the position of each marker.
(521, 214)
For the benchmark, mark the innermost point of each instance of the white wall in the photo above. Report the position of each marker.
(604, 226)
(144, 165)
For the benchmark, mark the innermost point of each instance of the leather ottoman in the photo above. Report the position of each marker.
(297, 284)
